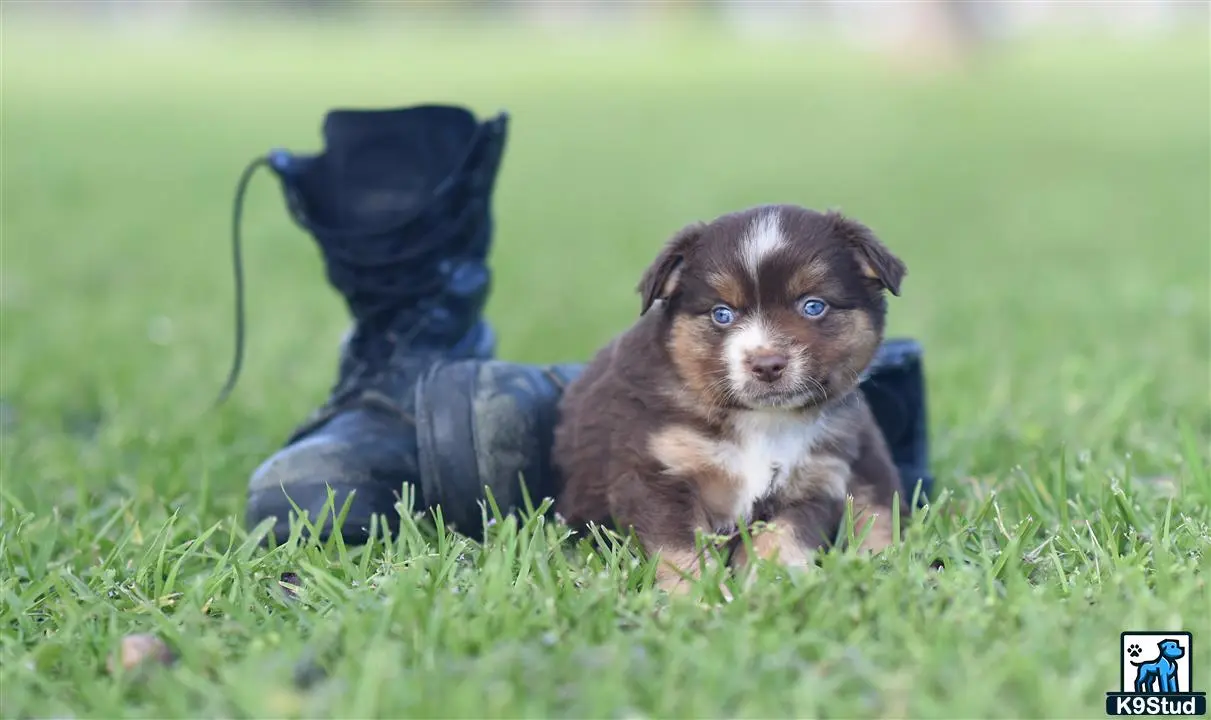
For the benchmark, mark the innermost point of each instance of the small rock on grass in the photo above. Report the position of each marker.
(140, 650)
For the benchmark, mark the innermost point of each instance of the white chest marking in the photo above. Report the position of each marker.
(768, 446)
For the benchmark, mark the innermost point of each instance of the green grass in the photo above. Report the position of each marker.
(1052, 204)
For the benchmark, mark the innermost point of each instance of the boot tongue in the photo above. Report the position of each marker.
(380, 165)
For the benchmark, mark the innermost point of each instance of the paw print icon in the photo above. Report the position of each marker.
(1134, 650)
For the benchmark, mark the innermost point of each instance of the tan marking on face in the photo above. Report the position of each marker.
(855, 348)
(810, 278)
(694, 359)
(729, 289)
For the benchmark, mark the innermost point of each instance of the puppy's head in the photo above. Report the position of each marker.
(772, 307)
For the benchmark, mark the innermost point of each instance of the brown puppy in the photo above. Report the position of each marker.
(735, 395)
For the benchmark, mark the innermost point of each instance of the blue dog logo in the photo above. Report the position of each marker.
(1160, 686)
(1159, 675)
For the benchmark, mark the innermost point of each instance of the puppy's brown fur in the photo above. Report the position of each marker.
(733, 399)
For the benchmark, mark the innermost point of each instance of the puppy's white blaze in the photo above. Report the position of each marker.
(767, 447)
(753, 334)
(764, 237)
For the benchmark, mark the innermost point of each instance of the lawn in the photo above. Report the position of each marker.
(1051, 203)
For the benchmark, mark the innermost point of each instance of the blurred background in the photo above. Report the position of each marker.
(932, 26)
(1042, 167)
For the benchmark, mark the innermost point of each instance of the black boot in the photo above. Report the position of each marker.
(399, 204)
(894, 386)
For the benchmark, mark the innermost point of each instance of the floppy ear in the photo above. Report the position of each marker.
(659, 281)
(874, 259)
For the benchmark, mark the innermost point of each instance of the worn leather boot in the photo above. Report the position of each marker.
(399, 204)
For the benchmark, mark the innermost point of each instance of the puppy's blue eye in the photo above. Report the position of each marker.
(814, 307)
(723, 315)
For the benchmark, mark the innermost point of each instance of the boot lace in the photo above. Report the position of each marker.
(389, 283)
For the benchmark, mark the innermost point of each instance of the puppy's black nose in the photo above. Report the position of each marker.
(768, 368)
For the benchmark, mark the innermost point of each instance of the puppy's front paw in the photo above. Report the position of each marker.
(772, 544)
(675, 570)
(872, 527)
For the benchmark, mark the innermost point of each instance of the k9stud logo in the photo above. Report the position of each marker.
(1155, 672)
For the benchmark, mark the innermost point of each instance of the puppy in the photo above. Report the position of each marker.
(734, 397)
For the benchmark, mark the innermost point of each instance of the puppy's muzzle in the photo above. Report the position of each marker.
(767, 367)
